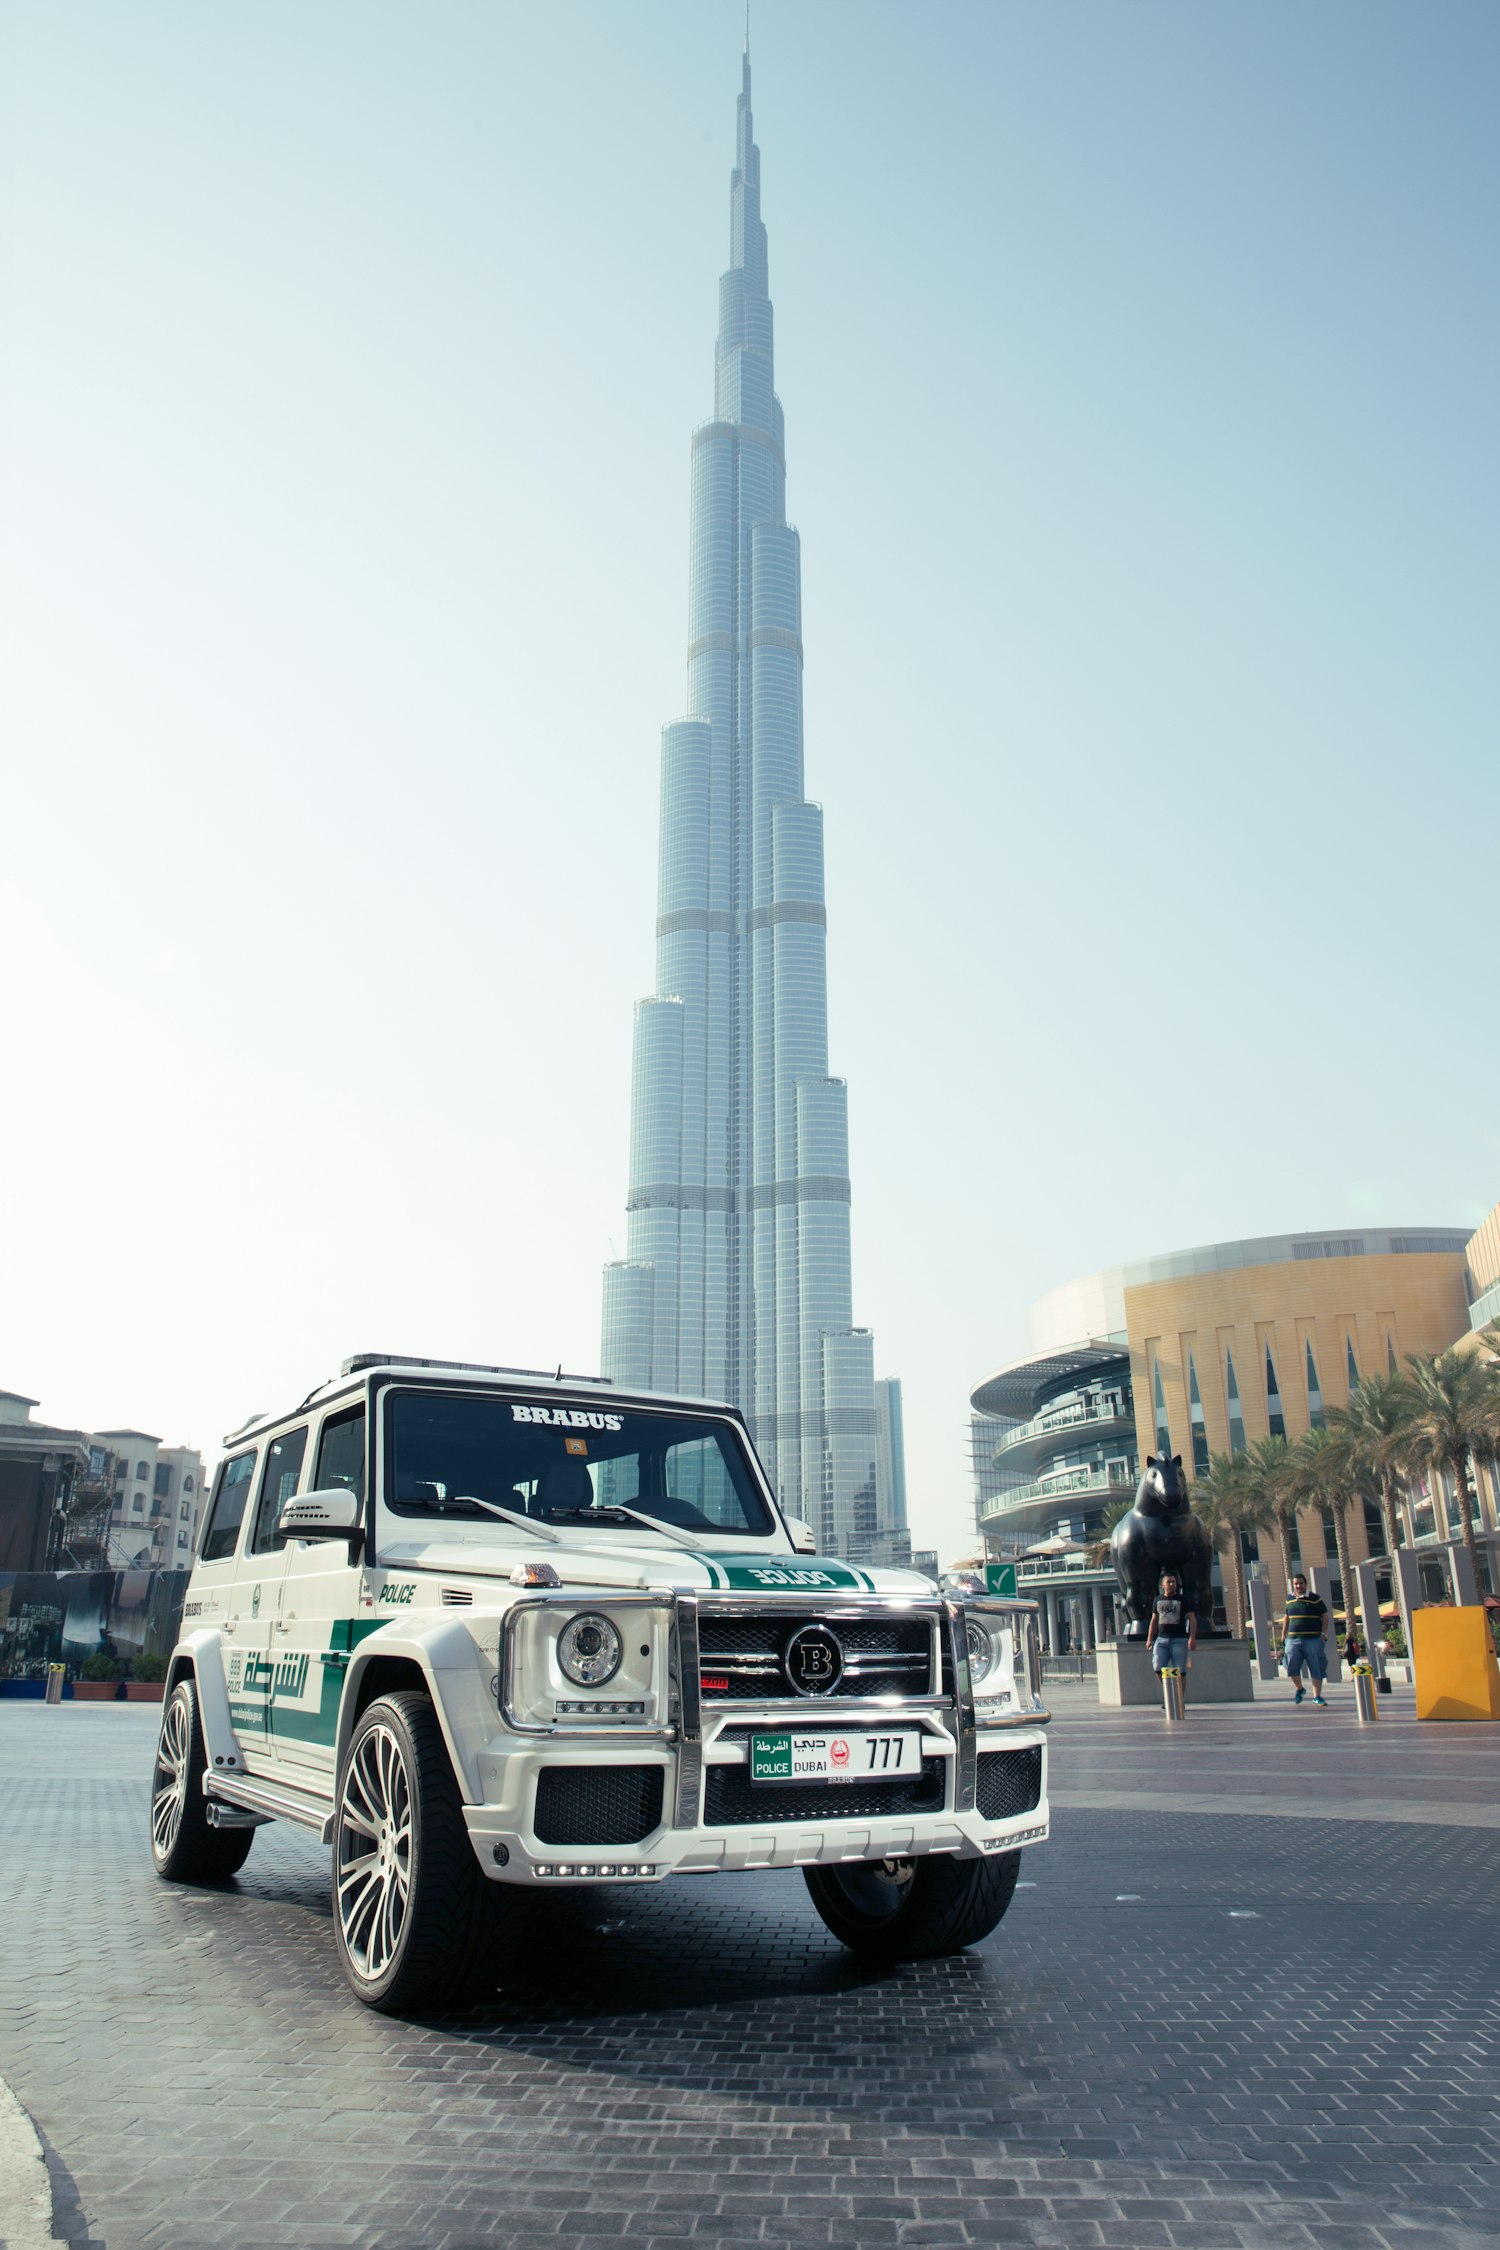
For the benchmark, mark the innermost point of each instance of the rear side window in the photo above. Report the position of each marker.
(341, 1454)
(227, 1510)
(278, 1483)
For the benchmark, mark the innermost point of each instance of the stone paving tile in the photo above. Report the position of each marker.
(703, 2064)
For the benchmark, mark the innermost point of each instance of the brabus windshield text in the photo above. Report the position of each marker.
(565, 1417)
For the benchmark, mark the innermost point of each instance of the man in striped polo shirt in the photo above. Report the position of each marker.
(1302, 1640)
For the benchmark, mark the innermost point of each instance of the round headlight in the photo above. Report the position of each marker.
(589, 1650)
(981, 1651)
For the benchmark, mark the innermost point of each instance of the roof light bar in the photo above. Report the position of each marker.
(363, 1360)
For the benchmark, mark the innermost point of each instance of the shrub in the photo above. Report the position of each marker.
(148, 1666)
(102, 1667)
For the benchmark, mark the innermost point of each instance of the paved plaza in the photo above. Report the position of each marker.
(1248, 2003)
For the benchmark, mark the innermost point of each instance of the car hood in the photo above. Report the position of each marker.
(624, 1560)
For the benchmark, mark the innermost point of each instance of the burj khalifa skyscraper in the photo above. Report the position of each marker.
(737, 1280)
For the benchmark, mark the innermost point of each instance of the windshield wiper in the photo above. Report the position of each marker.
(616, 1510)
(508, 1515)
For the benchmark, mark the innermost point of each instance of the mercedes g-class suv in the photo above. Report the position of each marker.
(486, 1630)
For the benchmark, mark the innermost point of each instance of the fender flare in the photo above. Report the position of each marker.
(447, 1647)
(202, 1653)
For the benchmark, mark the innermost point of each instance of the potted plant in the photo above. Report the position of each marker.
(147, 1675)
(99, 1680)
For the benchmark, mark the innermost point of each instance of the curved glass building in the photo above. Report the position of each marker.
(737, 1282)
(1199, 1352)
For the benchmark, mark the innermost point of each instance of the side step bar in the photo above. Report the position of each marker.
(272, 1800)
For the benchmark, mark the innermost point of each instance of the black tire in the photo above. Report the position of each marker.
(410, 1914)
(911, 1909)
(184, 1849)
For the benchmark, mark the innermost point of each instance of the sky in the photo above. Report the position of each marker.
(1139, 364)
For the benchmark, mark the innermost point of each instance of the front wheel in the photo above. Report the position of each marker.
(409, 1906)
(184, 1849)
(911, 1909)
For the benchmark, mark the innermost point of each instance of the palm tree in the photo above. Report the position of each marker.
(1378, 1421)
(1267, 1474)
(1099, 1548)
(1324, 1475)
(1455, 1419)
(1230, 1502)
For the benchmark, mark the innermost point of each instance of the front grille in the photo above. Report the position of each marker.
(597, 1804)
(731, 1800)
(741, 1656)
(1010, 1782)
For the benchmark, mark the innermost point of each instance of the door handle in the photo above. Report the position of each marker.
(282, 1627)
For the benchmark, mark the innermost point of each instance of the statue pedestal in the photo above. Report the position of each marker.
(1219, 1672)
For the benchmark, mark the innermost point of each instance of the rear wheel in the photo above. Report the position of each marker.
(184, 1849)
(910, 1909)
(410, 1914)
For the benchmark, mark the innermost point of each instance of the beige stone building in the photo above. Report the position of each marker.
(1200, 1352)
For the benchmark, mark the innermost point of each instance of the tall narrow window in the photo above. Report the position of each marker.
(1390, 1355)
(1314, 1390)
(1159, 1404)
(1274, 1416)
(1198, 1425)
(1236, 1417)
(1351, 1364)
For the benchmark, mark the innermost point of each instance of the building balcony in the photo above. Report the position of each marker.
(1097, 1486)
(1108, 1418)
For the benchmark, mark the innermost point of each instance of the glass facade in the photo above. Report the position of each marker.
(736, 1283)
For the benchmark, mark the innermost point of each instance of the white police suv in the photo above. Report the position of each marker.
(484, 1630)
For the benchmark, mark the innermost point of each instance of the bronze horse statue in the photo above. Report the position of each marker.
(1162, 1533)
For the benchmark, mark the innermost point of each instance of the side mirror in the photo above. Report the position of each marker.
(322, 1515)
(804, 1538)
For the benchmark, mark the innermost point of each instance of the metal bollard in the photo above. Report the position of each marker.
(1171, 1692)
(1364, 1694)
(56, 1674)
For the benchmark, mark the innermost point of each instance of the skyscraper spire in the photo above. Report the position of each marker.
(737, 1282)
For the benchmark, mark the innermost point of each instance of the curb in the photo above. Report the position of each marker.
(25, 2185)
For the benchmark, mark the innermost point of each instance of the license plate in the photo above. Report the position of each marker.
(894, 1756)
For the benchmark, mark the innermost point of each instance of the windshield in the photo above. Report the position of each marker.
(565, 1464)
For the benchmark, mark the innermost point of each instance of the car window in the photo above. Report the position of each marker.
(278, 1483)
(227, 1508)
(341, 1454)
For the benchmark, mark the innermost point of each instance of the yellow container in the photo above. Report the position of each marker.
(1454, 1659)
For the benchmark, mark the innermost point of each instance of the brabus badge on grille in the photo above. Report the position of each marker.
(813, 1661)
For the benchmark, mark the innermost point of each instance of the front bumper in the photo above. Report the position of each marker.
(696, 1813)
(504, 1837)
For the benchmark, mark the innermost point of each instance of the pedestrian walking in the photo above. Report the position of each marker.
(1302, 1640)
(1173, 1632)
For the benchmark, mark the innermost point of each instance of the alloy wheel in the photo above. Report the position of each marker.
(374, 1853)
(169, 1783)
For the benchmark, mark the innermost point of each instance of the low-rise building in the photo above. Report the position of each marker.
(156, 1500)
(100, 1500)
(41, 1468)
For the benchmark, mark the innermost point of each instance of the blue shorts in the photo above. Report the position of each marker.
(1311, 1652)
(1173, 1653)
